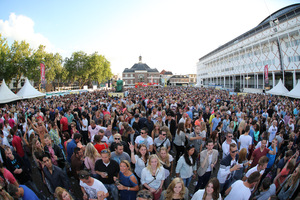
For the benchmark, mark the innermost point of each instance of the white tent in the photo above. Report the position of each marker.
(6, 95)
(295, 92)
(279, 89)
(28, 91)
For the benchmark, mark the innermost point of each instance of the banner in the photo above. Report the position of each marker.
(266, 76)
(43, 79)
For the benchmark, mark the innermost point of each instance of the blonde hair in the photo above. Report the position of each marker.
(153, 156)
(59, 191)
(167, 162)
(91, 152)
(126, 163)
(118, 135)
(170, 189)
(242, 124)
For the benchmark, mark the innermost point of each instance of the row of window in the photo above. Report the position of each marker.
(246, 66)
(133, 75)
(293, 43)
(294, 59)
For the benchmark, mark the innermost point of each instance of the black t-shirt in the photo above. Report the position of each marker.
(112, 169)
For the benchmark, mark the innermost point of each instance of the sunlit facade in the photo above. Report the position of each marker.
(273, 45)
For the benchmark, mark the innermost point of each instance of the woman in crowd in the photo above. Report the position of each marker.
(118, 139)
(62, 194)
(128, 184)
(188, 126)
(179, 140)
(167, 162)
(211, 191)
(140, 160)
(175, 191)
(215, 138)
(290, 185)
(91, 156)
(230, 127)
(238, 175)
(187, 165)
(155, 131)
(153, 176)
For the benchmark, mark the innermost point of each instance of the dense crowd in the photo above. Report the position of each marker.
(156, 143)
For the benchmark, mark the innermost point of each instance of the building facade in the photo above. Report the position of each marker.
(140, 73)
(164, 77)
(258, 58)
(179, 80)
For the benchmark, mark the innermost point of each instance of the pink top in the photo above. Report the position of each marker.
(9, 178)
(90, 164)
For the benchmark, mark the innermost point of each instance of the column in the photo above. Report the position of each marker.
(294, 79)
(224, 81)
(273, 77)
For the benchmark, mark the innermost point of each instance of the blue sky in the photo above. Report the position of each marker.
(169, 34)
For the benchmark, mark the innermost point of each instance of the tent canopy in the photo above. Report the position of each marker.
(279, 89)
(6, 95)
(28, 91)
(295, 92)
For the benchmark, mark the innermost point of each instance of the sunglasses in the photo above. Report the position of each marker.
(163, 134)
(230, 136)
(145, 196)
(117, 138)
(143, 132)
(234, 151)
(104, 151)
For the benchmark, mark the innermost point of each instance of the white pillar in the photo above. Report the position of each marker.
(247, 80)
(273, 76)
(224, 81)
(257, 81)
(294, 79)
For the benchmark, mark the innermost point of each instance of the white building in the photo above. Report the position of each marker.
(266, 53)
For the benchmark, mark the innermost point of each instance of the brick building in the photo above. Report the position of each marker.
(140, 72)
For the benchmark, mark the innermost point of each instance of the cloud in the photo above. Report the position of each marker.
(20, 27)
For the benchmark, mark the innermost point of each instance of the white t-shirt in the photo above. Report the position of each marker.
(199, 195)
(246, 141)
(104, 139)
(85, 123)
(147, 141)
(139, 166)
(225, 147)
(238, 191)
(92, 190)
(272, 130)
(252, 170)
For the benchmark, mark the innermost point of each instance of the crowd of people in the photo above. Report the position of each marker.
(156, 143)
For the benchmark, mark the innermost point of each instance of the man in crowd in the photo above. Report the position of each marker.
(119, 154)
(228, 166)
(71, 145)
(91, 188)
(197, 138)
(208, 160)
(240, 190)
(144, 138)
(226, 144)
(260, 152)
(77, 160)
(54, 175)
(108, 168)
(21, 192)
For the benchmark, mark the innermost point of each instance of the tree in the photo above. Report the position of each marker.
(20, 62)
(4, 58)
(84, 68)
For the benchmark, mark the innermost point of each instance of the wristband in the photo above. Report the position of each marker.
(128, 188)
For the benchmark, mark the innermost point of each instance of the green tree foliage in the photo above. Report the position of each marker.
(4, 57)
(84, 68)
(20, 62)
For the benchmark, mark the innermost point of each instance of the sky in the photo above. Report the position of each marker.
(168, 34)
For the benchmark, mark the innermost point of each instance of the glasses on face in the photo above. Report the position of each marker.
(145, 196)
(234, 151)
(143, 132)
(230, 136)
(163, 134)
(117, 138)
(104, 151)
